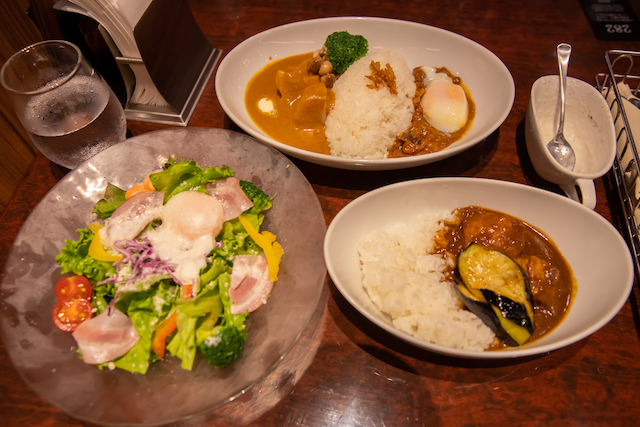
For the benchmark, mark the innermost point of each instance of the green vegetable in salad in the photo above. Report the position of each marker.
(113, 197)
(261, 202)
(178, 176)
(224, 346)
(146, 315)
(75, 258)
(222, 342)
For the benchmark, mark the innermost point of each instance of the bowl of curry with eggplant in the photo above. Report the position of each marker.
(478, 268)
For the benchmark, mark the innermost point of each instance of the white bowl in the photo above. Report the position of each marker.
(488, 79)
(598, 255)
(588, 128)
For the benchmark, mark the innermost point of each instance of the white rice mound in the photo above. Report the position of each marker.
(405, 280)
(365, 121)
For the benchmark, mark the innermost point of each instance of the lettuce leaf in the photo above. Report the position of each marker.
(236, 239)
(113, 197)
(228, 319)
(183, 343)
(178, 176)
(102, 296)
(146, 309)
(191, 314)
(75, 258)
(138, 358)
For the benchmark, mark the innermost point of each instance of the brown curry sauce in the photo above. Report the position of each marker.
(285, 126)
(281, 126)
(421, 137)
(550, 276)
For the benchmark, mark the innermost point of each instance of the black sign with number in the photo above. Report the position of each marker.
(612, 19)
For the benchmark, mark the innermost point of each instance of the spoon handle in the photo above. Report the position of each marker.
(563, 52)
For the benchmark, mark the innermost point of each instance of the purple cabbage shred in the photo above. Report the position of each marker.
(144, 262)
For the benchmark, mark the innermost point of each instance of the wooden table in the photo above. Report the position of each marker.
(345, 370)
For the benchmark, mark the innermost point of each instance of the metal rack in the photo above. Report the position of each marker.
(624, 67)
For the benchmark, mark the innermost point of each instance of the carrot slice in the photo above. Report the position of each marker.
(186, 291)
(138, 188)
(159, 339)
(147, 184)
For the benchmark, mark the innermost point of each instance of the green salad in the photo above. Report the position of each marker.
(171, 287)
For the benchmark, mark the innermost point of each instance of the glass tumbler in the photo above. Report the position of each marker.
(66, 107)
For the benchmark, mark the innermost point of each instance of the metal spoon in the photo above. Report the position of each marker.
(558, 146)
(634, 101)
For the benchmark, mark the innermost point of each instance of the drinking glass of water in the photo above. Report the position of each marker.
(68, 110)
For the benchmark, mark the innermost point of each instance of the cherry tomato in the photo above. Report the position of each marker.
(74, 287)
(68, 314)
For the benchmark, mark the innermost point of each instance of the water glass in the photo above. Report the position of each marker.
(66, 107)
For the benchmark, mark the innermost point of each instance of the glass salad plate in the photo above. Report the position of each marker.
(46, 357)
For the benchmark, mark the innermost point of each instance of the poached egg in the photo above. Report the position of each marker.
(190, 223)
(444, 103)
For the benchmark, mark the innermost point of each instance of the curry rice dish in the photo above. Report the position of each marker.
(412, 273)
(377, 109)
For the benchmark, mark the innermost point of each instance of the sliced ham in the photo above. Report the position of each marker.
(105, 337)
(132, 217)
(231, 197)
(250, 284)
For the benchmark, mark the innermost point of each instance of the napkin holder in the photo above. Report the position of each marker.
(178, 58)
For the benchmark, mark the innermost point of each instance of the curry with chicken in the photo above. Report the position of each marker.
(292, 110)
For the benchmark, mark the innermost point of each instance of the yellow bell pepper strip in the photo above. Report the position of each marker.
(267, 241)
(96, 250)
(164, 330)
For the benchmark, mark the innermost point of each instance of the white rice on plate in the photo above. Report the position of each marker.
(405, 280)
(365, 121)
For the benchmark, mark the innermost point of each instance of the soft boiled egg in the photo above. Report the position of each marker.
(190, 223)
(444, 103)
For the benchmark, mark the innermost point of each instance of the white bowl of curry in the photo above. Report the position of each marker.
(487, 79)
(595, 252)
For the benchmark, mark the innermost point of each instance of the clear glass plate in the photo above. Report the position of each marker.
(46, 357)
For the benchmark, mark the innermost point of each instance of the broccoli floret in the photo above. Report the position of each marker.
(259, 198)
(343, 49)
(221, 336)
(225, 346)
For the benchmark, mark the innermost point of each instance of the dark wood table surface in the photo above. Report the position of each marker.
(345, 370)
